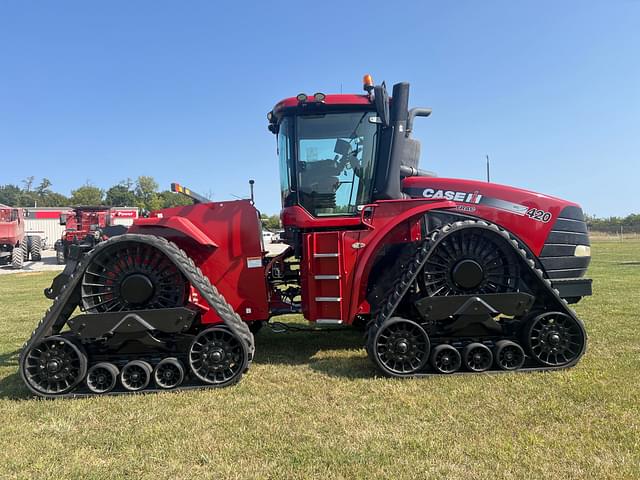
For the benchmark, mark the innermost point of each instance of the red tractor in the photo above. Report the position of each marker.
(15, 246)
(444, 275)
(84, 227)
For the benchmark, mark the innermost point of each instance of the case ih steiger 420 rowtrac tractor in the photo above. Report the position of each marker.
(445, 275)
(15, 246)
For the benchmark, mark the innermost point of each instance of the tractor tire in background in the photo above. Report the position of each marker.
(36, 249)
(60, 257)
(18, 256)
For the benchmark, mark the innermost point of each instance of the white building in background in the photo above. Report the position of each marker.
(45, 221)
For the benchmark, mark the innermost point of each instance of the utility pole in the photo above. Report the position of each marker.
(488, 172)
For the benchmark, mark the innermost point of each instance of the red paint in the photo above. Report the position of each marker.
(47, 214)
(298, 217)
(393, 221)
(11, 226)
(219, 237)
(179, 224)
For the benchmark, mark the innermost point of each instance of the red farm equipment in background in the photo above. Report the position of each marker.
(15, 246)
(444, 275)
(85, 226)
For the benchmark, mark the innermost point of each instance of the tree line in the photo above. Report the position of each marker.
(142, 193)
(630, 223)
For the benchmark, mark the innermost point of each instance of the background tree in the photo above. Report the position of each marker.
(171, 199)
(10, 194)
(121, 195)
(43, 187)
(28, 183)
(55, 199)
(147, 193)
(270, 222)
(87, 195)
(45, 197)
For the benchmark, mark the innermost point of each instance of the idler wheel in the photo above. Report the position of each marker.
(400, 347)
(508, 355)
(169, 373)
(555, 339)
(102, 377)
(477, 357)
(218, 357)
(446, 359)
(54, 366)
(136, 375)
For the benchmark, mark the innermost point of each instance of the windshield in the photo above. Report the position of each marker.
(7, 215)
(335, 162)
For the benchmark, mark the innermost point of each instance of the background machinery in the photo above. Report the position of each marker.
(15, 246)
(85, 226)
(444, 275)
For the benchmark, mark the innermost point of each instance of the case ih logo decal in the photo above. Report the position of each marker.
(465, 197)
(475, 198)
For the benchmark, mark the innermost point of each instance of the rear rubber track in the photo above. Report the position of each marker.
(66, 302)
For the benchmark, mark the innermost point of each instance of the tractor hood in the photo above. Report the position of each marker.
(527, 214)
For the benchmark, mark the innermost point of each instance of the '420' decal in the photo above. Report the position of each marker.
(539, 215)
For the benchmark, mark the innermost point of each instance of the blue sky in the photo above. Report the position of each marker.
(101, 91)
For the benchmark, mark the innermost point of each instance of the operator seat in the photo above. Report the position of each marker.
(318, 185)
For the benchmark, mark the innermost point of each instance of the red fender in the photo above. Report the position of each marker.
(377, 238)
(179, 224)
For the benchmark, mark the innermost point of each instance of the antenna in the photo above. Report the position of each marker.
(488, 170)
(251, 182)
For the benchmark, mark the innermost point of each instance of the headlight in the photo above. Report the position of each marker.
(582, 251)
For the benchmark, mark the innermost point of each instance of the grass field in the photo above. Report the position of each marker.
(313, 407)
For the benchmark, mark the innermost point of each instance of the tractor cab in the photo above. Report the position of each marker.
(338, 153)
(327, 154)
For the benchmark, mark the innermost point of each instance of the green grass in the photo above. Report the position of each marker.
(313, 407)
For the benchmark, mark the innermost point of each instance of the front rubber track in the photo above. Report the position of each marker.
(426, 248)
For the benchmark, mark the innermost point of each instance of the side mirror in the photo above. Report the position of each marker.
(342, 147)
(63, 219)
(382, 103)
(26, 213)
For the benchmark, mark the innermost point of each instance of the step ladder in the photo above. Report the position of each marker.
(326, 278)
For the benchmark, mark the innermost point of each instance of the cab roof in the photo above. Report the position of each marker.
(330, 99)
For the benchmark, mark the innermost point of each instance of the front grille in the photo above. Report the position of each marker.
(557, 256)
